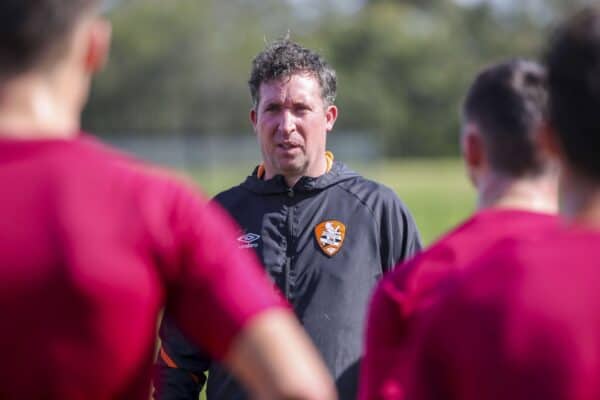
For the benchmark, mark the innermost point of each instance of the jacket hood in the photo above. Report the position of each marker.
(339, 172)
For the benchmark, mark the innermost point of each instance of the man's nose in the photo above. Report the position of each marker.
(287, 122)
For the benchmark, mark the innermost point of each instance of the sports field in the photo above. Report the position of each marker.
(436, 190)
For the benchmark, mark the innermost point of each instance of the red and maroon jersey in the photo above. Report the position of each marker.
(92, 245)
(524, 323)
(415, 285)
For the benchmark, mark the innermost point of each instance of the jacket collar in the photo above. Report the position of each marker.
(339, 172)
(260, 172)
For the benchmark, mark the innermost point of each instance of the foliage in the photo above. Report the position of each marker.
(404, 70)
(181, 66)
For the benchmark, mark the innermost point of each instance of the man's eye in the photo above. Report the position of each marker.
(271, 108)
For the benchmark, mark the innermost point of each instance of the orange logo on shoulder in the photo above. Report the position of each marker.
(330, 236)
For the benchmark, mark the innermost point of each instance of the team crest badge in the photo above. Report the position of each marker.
(330, 236)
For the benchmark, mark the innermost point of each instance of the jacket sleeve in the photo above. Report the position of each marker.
(179, 372)
(400, 239)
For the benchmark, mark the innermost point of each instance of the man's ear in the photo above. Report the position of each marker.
(253, 117)
(98, 45)
(331, 114)
(472, 146)
(549, 142)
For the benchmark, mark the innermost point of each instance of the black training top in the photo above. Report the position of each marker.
(325, 243)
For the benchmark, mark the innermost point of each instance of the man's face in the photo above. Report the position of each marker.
(291, 122)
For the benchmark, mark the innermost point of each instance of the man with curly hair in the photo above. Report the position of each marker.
(324, 233)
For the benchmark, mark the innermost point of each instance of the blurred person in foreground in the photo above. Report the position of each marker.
(325, 234)
(504, 114)
(525, 323)
(94, 243)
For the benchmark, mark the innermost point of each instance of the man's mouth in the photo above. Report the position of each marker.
(288, 146)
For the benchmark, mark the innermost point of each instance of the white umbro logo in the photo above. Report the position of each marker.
(248, 240)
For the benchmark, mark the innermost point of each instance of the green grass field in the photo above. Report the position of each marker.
(435, 190)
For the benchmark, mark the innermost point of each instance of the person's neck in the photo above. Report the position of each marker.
(33, 107)
(527, 194)
(580, 200)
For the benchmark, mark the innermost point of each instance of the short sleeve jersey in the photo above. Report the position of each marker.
(92, 245)
(522, 324)
(415, 285)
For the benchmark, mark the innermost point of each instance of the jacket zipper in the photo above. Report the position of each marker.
(288, 260)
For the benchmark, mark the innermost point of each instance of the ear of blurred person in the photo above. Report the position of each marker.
(473, 153)
(98, 47)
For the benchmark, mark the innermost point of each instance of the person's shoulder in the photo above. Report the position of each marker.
(431, 265)
(415, 282)
(512, 258)
(487, 227)
(535, 271)
(372, 194)
(94, 152)
(363, 186)
(572, 246)
(475, 241)
(85, 150)
(546, 245)
(133, 174)
(515, 221)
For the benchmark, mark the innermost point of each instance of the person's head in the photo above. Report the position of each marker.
(573, 60)
(42, 37)
(503, 113)
(293, 92)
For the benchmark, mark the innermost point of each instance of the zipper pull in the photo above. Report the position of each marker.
(290, 192)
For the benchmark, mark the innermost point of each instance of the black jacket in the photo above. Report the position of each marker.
(330, 293)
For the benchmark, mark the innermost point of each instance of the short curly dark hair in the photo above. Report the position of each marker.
(284, 58)
(33, 32)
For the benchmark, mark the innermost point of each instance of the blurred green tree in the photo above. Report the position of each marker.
(404, 69)
(181, 66)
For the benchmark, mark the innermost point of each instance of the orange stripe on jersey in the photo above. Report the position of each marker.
(171, 364)
(167, 359)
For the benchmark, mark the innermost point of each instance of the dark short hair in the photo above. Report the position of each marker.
(573, 59)
(284, 58)
(508, 101)
(34, 32)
